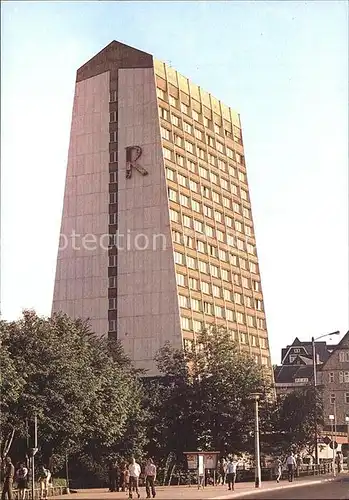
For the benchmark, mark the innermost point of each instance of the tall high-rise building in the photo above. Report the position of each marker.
(157, 237)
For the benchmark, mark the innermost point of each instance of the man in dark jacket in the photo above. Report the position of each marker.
(9, 472)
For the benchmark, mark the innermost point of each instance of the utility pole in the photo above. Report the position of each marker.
(255, 398)
(33, 453)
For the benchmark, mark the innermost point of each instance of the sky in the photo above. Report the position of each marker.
(282, 65)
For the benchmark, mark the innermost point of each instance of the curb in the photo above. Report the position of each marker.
(256, 491)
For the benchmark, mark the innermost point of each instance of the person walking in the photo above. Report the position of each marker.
(150, 477)
(22, 481)
(9, 472)
(231, 473)
(278, 469)
(291, 465)
(44, 481)
(134, 471)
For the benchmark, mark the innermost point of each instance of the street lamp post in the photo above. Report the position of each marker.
(332, 419)
(313, 340)
(258, 481)
(347, 422)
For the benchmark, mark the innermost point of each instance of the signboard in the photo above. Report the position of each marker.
(333, 444)
(192, 461)
(201, 465)
(210, 461)
(133, 153)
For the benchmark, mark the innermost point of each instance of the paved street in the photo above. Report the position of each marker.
(338, 490)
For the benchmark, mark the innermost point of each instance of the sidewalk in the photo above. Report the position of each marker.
(192, 492)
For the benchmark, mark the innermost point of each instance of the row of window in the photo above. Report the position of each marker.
(204, 228)
(333, 398)
(241, 337)
(207, 192)
(212, 250)
(344, 356)
(233, 133)
(343, 377)
(200, 153)
(215, 271)
(209, 212)
(190, 146)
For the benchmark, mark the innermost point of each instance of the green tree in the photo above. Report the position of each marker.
(203, 400)
(85, 394)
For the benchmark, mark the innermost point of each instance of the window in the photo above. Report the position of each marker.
(112, 303)
(203, 267)
(219, 312)
(198, 134)
(200, 245)
(201, 153)
(191, 166)
(248, 302)
(197, 325)
(177, 237)
(182, 180)
(212, 250)
(259, 304)
(256, 286)
(264, 345)
(179, 258)
(186, 221)
(211, 159)
(203, 172)
(250, 248)
(214, 178)
(113, 156)
(215, 197)
(214, 270)
(225, 275)
(346, 377)
(113, 218)
(346, 398)
(188, 241)
(187, 127)
(220, 147)
(237, 298)
(113, 96)
(179, 160)
(206, 121)
(239, 159)
(209, 231)
(240, 244)
(220, 235)
(205, 287)
(113, 137)
(208, 211)
(198, 226)
(165, 133)
(224, 184)
(193, 283)
(112, 325)
(222, 255)
(240, 318)
(205, 191)
(227, 294)
(250, 320)
(184, 200)
(172, 194)
(112, 282)
(242, 263)
(183, 301)
(207, 308)
(193, 186)
(236, 207)
(216, 291)
(195, 115)
(218, 216)
(113, 198)
(170, 174)
(241, 176)
(261, 323)
(245, 282)
(230, 240)
(195, 206)
(234, 189)
(174, 216)
(184, 108)
(243, 194)
(253, 267)
(172, 100)
(167, 153)
(238, 226)
(343, 356)
(113, 116)
(112, 261)
(217, 128)
(189, 146)
(180, 279)
(222, 165)
(230, 315)
(341, 379)
(191, 262)
(160, 93)
(185, 324)
(331, 377)
(230, 153)
(163, 113)
(332, 399)
(246, 213)
(195, 305)
(175, 120)
(248, 231)
(226, 202)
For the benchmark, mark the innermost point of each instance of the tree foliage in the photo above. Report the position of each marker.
(203, 400)
(85, 394)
